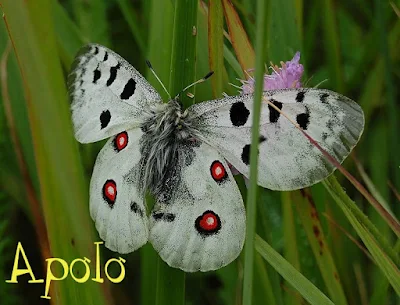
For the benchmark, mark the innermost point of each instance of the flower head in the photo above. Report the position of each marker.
(286, 76)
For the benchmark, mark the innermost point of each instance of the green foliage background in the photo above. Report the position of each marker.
(319, 246)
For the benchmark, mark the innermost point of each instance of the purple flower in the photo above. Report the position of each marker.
(287, 76)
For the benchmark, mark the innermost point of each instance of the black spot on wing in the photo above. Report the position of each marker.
(169, 217)
(239, 114)
(113, 74)
(246, 154)
(105, 56)
(323, 97)
(300, 97)
(136, 209)
(105, 118)
(273, 113)
(96, 75)
(129, 89)
(246, 150)
(96, 50)
(303, 119)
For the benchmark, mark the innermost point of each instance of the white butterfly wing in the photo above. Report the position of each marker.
(116, 199)
(287, 160)
(108, 95)
(198, 223)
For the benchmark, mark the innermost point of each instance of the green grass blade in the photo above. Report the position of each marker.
(171, 282)
(92, 20)
(204, 92)
(291, 247)
(382, 256)
(232, 61)
(183, 57)
(332, 46)
(63, 189)
(240, 42)
(132, 19)
(290, 274)
(216, 45)
(252, 194)
(160, 39)
(308, 215)
(283, 37)
(392, 110)
(263, 290)
(69, 39)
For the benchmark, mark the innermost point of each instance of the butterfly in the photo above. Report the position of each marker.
(183, 157)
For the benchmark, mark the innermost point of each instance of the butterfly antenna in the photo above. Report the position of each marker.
(196, 82)
(155, 75)
(321, 82)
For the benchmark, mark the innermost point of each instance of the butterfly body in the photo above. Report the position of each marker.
(181, 156)
(165, 128)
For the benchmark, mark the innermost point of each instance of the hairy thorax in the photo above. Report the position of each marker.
(166, 127)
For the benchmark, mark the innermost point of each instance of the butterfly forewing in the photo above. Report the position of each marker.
(108, 95)
(287, 160)
(198, 223)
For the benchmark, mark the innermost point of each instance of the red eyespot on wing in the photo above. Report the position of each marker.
(110, 192)
(207, 224)
(121, 141)
(218, 172)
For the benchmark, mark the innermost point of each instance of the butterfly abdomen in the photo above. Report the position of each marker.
(165, 128)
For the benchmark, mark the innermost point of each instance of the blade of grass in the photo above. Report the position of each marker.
(92, 20)
(232, 61)
(240, 42)
(204, 92)
(69, 39)
(284, 37)
(183, 57)
(392, 110)
(133, 22)
(382, 256)
(268, 224)
(171, 282)
(62, 186)
(160, 40)
(291, 250)
(31, 195)
(371, 187)
(252, 194)
(216, 45)
(332, 45)
(290, 274)
(308, 214)
(159, 53)
(349, 236)
(18, 110)
(391, 221)
(263, 289)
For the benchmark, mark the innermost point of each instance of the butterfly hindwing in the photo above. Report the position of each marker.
(116, 200)
(198, 223)
(108, 95)
(287, 160)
